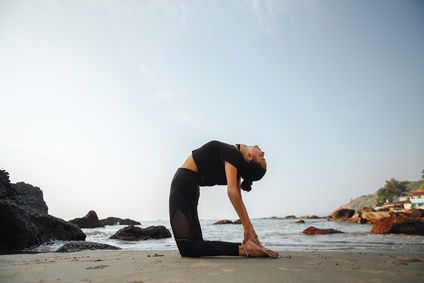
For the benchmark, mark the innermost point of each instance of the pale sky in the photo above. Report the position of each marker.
(101, 101)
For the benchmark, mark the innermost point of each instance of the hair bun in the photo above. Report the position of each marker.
(246, 185)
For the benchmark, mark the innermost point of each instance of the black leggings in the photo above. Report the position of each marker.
(183, 201)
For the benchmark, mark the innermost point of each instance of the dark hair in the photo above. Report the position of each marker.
(251, 171)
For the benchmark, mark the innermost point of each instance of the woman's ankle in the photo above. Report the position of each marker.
(242, 250)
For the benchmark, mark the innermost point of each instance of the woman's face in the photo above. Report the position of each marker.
(257, 154)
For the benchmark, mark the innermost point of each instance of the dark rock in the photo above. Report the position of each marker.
(118, 221)
(132, 233)
(22, 227)
(7, 191)
(33, 196)
(403, 214)
(310, 217)
(343, 214)
(21, 193)
(315, 231)
(89, 221)
(417, 213)
(398, 225)
(82, 245)
(238, 221)
(301, 221)
(223, 222)
(128, 221)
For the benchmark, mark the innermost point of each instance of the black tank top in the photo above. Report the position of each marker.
(210, 160)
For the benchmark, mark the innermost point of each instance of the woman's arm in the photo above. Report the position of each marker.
(234, 193)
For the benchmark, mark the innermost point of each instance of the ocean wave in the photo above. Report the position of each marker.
(278, 234)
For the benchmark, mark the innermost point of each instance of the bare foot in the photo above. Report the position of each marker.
(253, 250)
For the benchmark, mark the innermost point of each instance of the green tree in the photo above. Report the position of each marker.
(393, 188)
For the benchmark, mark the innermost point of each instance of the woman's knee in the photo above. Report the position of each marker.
(186, 248)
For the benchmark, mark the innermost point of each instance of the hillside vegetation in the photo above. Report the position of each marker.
(371, 199)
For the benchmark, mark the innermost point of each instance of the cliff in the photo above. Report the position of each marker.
(7, 191)
(360, 202)
(371, 199)
(25, 222)
(21, 193)
(33, 196)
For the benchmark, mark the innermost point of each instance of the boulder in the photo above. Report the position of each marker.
(238, 221)
(118, 221)
(132, 233)
(89, 221)
(316, 231)
(343, 214)
(225, 221)
(33, 196)
(417, 214)
(402, 214)
(301, 221)
(22, 227)
(369, 216)
(398, 225)
(82, 245)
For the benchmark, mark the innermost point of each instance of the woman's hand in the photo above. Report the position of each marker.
(250, 235)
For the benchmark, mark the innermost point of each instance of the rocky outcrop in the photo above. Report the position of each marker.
(22, 227)
(398, 225)
(369, 216)
(310, 217)
(132, 233)
(316, 231)
(118, 221)
(360, 202)
(89, 221)
(343, 214)
(7, 191)
(21, 193)
(225, 221)
(290, 217)
(417, 214)
(33, 196)
(300, 221)
(82, 245)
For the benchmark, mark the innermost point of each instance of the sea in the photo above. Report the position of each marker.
(275, 234)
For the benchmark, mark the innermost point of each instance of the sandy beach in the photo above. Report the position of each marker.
(169, 266)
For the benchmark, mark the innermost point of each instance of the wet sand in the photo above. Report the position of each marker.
(169, 266)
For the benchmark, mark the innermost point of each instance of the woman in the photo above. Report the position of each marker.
(215, 163)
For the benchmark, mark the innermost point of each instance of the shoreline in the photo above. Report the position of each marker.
(169, 266)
